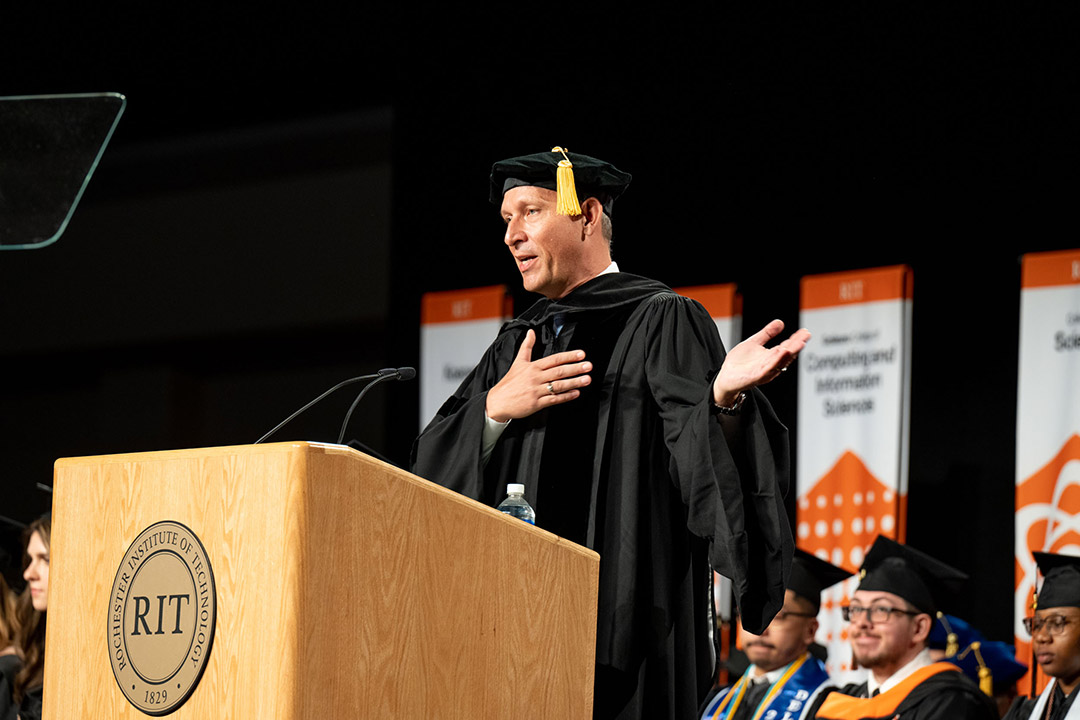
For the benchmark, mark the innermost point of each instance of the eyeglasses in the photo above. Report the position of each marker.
(1055, 624)
(876, 613)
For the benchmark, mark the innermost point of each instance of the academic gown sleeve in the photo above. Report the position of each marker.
(732, 472)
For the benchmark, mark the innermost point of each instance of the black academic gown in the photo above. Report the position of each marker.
(30, 707)
(9, 668)
(641, 469)
(945, 696)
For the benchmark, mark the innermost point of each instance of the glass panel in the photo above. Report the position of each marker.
(49, 147)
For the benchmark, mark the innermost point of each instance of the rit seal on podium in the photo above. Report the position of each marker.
(162, 612)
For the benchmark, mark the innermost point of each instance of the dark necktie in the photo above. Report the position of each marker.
(754, 695)
(558, 321)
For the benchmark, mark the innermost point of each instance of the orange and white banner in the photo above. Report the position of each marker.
(724, 304)
(1047, 424)
(455, 328)
(852, 461)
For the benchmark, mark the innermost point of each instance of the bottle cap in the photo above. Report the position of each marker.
(515, 488)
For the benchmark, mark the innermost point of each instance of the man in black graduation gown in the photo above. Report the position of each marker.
(612, 401)
(891, 615)
(1055, 635)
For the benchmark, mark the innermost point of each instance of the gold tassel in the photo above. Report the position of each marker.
(952, 642)
(986, 681)
(566, 194)
(986, 678)
(952, 645)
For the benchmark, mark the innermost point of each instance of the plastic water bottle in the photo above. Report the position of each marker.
(515, 504)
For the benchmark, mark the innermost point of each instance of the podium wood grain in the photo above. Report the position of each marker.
(345, 588)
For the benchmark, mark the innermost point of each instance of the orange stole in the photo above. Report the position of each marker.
(844, 707)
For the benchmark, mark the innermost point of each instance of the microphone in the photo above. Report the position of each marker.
(402, 373)
(405, 373)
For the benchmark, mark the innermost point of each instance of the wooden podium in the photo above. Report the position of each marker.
(345, 588)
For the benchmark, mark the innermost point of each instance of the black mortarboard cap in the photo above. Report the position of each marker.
(810, 575)
(923, 581)
(592, 177)
(1061, 580)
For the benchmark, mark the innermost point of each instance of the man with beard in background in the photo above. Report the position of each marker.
(891, 614)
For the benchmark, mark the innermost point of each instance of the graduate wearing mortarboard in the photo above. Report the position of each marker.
(784, 679)
(892, 614)
(1055, 638)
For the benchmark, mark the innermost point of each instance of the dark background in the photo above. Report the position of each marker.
(284, 185)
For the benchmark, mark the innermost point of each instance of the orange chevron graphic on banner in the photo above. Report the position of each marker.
(845, 510)
(1048, 520)
(838, 520)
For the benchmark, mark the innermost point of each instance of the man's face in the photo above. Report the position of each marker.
(547, 247)
(787, 637)
(885, 645)
(1058, 655)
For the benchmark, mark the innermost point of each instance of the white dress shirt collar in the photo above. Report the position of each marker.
(919, 661)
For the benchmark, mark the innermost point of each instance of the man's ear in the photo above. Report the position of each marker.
(923, 625)
(592, 211)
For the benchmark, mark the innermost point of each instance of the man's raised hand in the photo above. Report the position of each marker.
(750, 363)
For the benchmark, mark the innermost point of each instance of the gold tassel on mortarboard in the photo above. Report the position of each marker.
(986, 678)
(952, 642)
(986, 681)
(566, 194)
